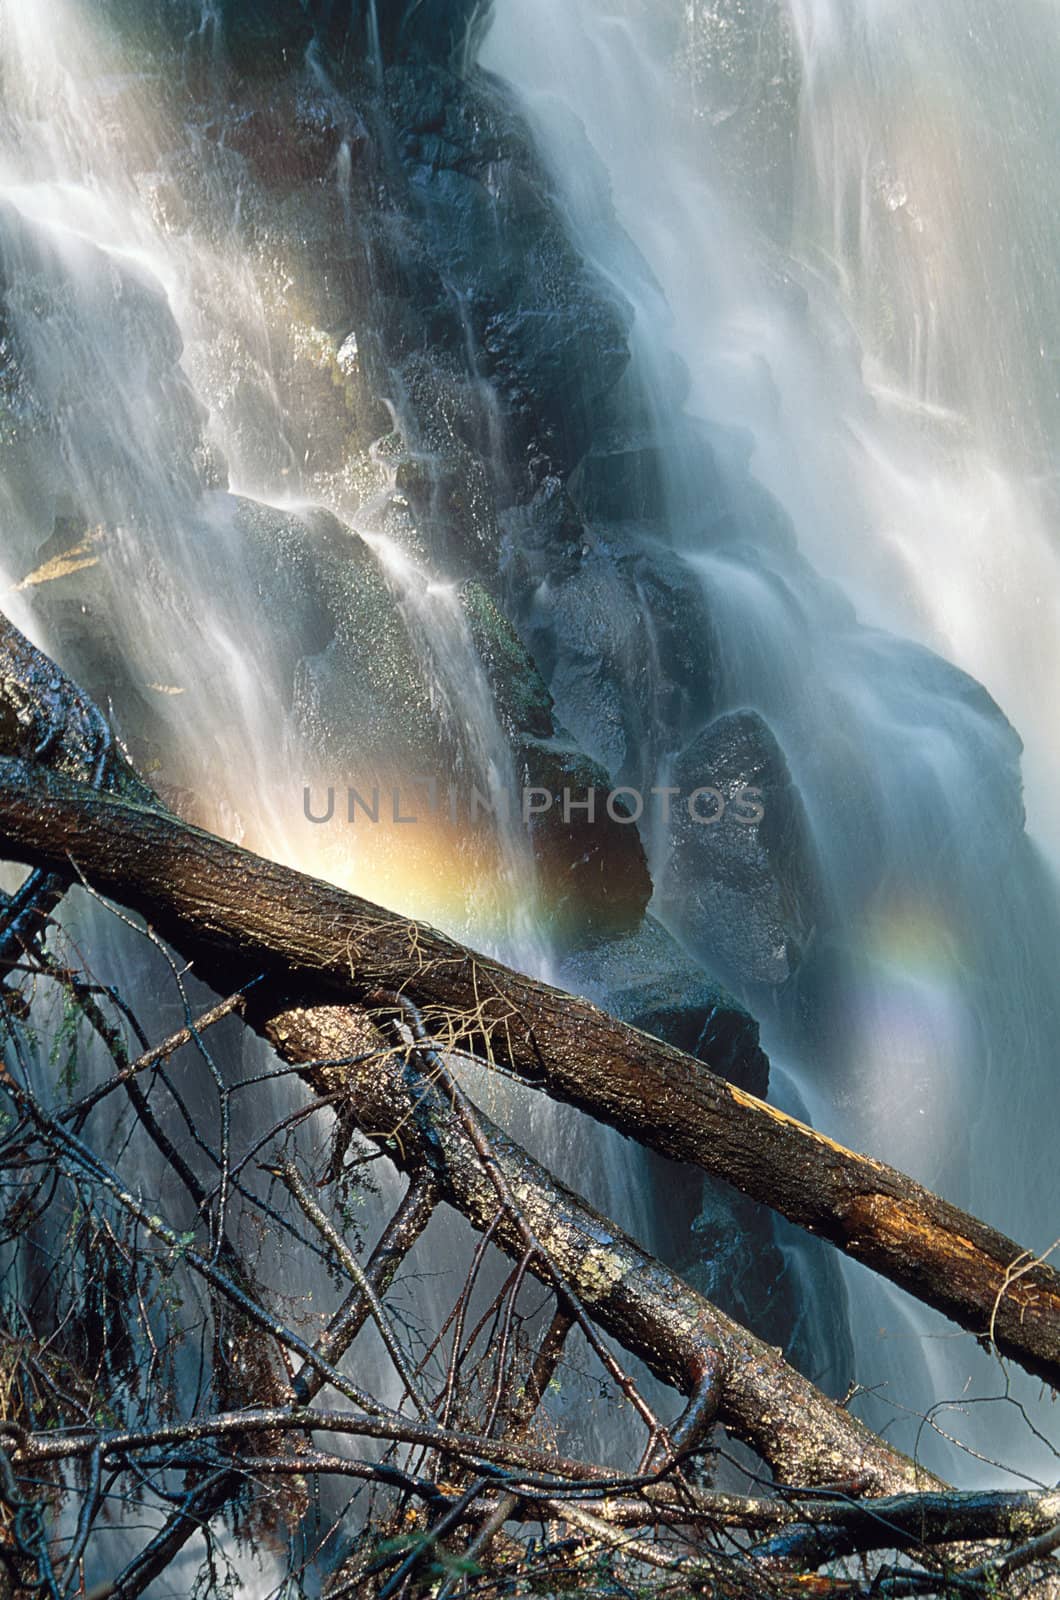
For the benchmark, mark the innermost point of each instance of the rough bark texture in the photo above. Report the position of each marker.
(212, 898)
(685, 1340)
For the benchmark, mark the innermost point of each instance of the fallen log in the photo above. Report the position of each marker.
(214, 899)
(728, 1375)
(376, 1025)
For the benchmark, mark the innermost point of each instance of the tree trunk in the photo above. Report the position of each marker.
(221, 904)
(730, 1376)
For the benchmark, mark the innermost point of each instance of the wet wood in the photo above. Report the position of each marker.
(237, 914)
(803, 1436)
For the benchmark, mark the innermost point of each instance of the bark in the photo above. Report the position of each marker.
(685, 1340)
(407, 1102)
(227, 908)
(414, 992)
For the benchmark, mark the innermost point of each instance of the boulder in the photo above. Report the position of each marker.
(621, 630)
(740, 884)
(593, 867)
(592, 863)
(645, 978)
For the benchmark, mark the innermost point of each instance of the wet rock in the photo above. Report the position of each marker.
(358, 683)
(540, 324)
(364, 702)
(444, 471)
(72, 588)
(522, 700)
(294, 138)
(412, 206)
(592, 865)
(269, 37)
(620, 479)
(619, 626)
(544, 537)
(553, 363)
(739, 1255)
(591, 860)
(740, 885)
(647, 979)
(665, 476)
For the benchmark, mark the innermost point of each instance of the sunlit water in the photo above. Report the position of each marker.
(142, 464)
(892, 363)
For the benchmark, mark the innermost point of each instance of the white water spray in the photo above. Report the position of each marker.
(903, 434)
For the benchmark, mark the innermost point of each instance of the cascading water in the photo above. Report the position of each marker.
(814, 315)
(907, 442)
(151, 339)
(78, 223)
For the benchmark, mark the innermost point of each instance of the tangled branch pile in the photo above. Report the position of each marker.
(223, 1363)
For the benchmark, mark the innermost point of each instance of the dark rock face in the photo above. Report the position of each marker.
(292, 142)
(422, 217)
(593, 866)
(263, 39)
(496, 270)
(649, 981)
(273, 34)
(444, 30)
(740, 878)
(268, 38)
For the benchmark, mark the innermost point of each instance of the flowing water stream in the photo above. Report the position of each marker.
(894, 367)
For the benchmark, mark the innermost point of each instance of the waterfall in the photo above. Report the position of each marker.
(799, 504)
(142, 479)
(890, 377)
(174, 526)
